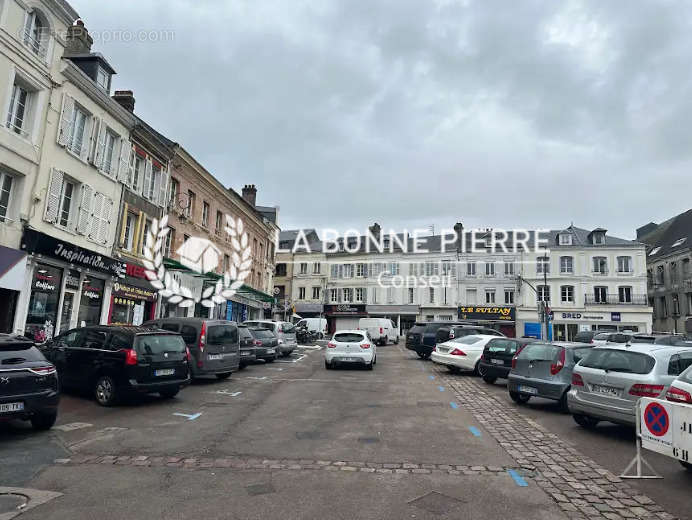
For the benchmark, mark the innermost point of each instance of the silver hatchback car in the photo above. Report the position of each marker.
(284, 331)
(607, 383)
(544, 370)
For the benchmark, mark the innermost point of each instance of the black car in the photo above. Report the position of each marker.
(585, 336)
(112, 361)
(459, 331)
(265, 342)
(29, 388)
(247, 346)
(423, 337)
(496, 361)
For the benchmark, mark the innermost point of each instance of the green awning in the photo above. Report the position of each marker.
(245, 290)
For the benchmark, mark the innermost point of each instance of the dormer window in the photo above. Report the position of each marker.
(599, 238)
(565, 239)
(36, 34)
(679, 242)
(103, 79)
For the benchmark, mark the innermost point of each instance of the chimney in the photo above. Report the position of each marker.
(458, 230)
(78, 39)
(375, 230)
(125, 98)
(250, 194)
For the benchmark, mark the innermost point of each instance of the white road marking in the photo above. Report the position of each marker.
(72, 426)
(188, 416)
(226, 392)
(310, 347)
(292, 360)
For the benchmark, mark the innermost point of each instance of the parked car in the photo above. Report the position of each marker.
(681, 340)
(29, 388)
(544, 370)
(112, 361)
(318, 325)
(265, 343)
(284, 331)
(585, 336)
(422, 337)
(461, 353)
(458, 331)
(607, 384)
(496, 361)
(213, 344)
(247, 347)
(351, 347)
(381, 330)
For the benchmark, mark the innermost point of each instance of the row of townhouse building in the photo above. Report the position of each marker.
(590, 281)
(82, 179)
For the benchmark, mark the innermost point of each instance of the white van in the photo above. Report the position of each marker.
(381, 330)
(314, 324)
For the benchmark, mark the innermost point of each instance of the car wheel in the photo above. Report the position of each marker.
(489, 379)
(423, 355)
(270, 360)
(385, 342)
(370, 366)
(478, 370)
(686, 465)
(105, 391)
(562, 403)
(328, 366)
(43, 421)
(225, 375)
(242, 367)
(170, 393)
(519, 398)
(585, 421)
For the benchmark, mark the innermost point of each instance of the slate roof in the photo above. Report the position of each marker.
(667, 234)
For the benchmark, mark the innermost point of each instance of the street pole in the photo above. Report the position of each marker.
(544, 312)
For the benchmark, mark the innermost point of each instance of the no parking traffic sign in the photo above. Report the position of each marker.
(656, 426)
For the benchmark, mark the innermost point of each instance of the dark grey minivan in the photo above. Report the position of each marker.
(213, 344)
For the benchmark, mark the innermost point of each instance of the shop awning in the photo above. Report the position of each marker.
(12, 268)
(245, 290)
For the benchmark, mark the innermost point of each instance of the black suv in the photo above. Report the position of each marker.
(423, 337)
(496, 361)
(112, 361)
(29, 387)
(459, 331)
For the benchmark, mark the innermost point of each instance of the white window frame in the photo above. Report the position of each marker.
(26, 128)
(596, 264)
(69, 225)
(509, 268)
(567, 293)
(316, 268)
(543, 291)
(348, 295)
(39, 46)
(316, 292)
(625, 264)
(565, 239)
(333, 295)
(303, 268)
(509, 296)
(78, 110)
(6, 210)
(360, 270)
(490, 269)
(101, 72)
(471, 269)
(129, 232)
(206, 208)
(566, 265)
(146, 227)
(110, 167)
(301, 293)
(625, 290)
(359, 294)
(490, 296)
(542, 265)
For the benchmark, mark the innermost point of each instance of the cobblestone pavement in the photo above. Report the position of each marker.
(581, 488)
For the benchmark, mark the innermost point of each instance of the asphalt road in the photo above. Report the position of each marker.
(293, 440)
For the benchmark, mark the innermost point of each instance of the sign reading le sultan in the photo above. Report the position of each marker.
(489, 312)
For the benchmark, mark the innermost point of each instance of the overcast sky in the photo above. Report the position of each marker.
(418, 112)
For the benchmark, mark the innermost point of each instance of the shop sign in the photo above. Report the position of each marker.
(72, 279)
(580, 316)
(487, 312)
(615, 316)
(135, 271)
(131, 292)
(34, 242)
(344, 309)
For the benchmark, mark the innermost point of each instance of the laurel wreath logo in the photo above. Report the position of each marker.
(169, 287)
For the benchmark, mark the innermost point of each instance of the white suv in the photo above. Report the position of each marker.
(351, 346)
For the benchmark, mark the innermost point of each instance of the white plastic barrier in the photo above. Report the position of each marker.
(663, 427)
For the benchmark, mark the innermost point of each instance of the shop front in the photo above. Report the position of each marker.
(66, 286)
(404, 316)
(344, 316)
(309, 310)
(12, 276)
(498, 317)
(133, 299)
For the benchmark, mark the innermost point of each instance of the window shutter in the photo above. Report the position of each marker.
(156, 181)
(124, 165)
(147, 178)
(163, 188)
(100, 144)
(28, 21)
(53, 196)
(65, 129)
(84, 219)
(88, 131)
(106, 212)
(96, 211)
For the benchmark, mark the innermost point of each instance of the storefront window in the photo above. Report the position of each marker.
(43, 303)
(91, 301)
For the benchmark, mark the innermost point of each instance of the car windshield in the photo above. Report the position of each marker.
(263, 333)
(434, 327)
(220, 334)
(348, 337)
(244, 332)
(287, 328)
(580, 353)
(507, 346)
(19, 353)
(159, 343)
(539, 352)
(619, 361)
(467, 340)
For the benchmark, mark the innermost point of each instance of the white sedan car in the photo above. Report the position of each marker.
(461, 353)
(351, 346)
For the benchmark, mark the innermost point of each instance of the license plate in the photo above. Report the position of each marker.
(606, 390)
(244, 353)
(214, 357)
(270, 351)
(349, 359)
(11, 407)
(164, 372)
(528, 389)
(497, 361)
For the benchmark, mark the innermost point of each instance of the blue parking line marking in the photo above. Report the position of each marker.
(454, 405)
(431, 377)
(517, 478)
(442, 388)
(476, 432)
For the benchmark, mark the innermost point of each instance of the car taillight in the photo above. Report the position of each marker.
(559, 364)
(188, 356)
(331, 345)
(642, 390)
(257, 342)
(203, 336)
(381, 330)
(483, 358)
(365, 345)
(678, 395)
(130, 356)
(43, 371)
(435, 348)
(577, 380)
(457, 352)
